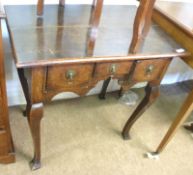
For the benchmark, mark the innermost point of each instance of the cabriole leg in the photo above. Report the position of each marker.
(35, 115)
(152, 92)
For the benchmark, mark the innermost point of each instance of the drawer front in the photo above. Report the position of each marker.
(67, 76)
(115, 69)
(148, 70)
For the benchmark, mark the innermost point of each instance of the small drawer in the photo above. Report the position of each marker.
(148, 70)
(114, 69)
(66, 76)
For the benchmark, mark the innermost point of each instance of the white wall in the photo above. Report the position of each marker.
(123, 2)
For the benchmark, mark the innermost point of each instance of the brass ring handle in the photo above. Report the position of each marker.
(70, 74)
(113, 69)
(150, 69)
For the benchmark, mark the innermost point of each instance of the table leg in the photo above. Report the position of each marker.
(152, 92)
(104, 88)
(35, 115)
(40, 7)
(25, 88)
(125, 88)
(181, 117)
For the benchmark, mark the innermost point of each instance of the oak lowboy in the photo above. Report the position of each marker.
(65, 53)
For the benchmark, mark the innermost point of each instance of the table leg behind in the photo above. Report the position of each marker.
(181, 117)
(103, 92)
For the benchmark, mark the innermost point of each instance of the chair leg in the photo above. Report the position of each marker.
(152, 92)
(141, 25)
(96, 13)
(40, 7)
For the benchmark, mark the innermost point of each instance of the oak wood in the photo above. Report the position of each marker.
(6, 142)
(180, 32)
(152, 92)
(57, 76)
(142, 67)
(182, 115)
(141, 27)
(71, 69)
(73, 34)
(40, 5)
(141, 24)
(35, 115)
(175, 19)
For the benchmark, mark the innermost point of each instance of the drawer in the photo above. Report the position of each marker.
(114, 69)
(148, 70)
(67, 76)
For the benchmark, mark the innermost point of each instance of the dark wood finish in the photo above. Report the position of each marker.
(35, 114)
(103, 92)
(152, 89)
(148, 70)
(113, 70)
(61, 76)
(112, 42)
(175, 19)
(63, 65)
(6, 144)
(152, 92)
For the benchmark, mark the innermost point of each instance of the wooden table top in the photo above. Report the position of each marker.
(179, 11)
(62, 33)
(176, 18)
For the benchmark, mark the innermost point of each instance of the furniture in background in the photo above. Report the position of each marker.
(97, 5)
(175, 19)
(6, 144)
